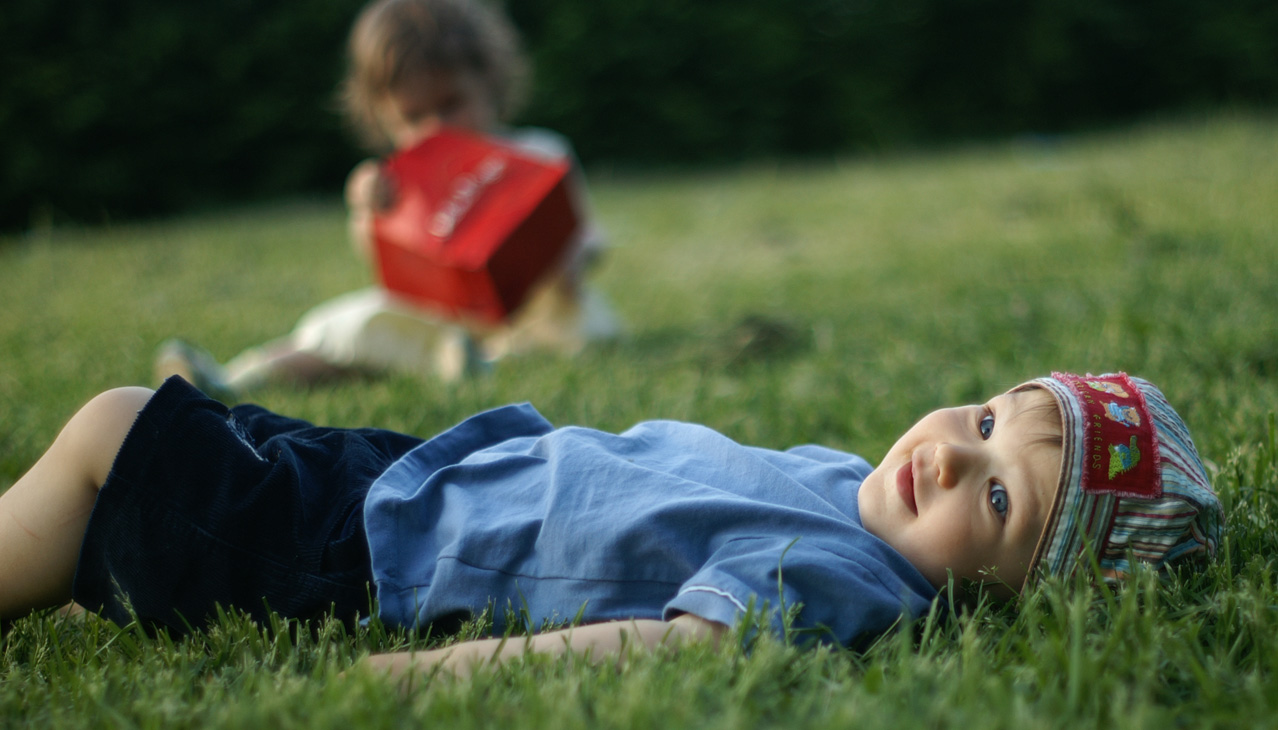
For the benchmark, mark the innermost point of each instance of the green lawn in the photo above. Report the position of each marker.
(829, 302)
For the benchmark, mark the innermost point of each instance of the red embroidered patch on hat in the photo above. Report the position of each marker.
(1120, 445)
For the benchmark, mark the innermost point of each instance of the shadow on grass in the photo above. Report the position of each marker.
(750, 339)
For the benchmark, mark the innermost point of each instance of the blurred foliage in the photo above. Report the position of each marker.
(678, 81)
(139, 107)
(143, 107)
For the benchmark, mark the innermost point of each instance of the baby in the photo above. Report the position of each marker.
(163, 505)
(416, 66)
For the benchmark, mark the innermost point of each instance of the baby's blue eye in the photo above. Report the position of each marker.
(987, 427)
(998, 499)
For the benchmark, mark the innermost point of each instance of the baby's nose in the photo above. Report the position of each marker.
(953, 464)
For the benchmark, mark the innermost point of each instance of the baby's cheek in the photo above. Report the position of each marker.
(962, 552)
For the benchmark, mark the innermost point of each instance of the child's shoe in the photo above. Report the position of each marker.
(197, 367)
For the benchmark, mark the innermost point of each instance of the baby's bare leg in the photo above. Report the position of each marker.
(43, 516)
(279, 362)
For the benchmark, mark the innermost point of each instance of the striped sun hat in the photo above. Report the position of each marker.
(1131, 483)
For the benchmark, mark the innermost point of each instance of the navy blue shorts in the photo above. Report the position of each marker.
(206, 506)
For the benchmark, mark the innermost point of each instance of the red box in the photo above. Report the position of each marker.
(475, 224)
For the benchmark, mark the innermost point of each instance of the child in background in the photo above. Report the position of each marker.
(163, 505)
(417, 65)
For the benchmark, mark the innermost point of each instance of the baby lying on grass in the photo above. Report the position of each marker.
(163, 505)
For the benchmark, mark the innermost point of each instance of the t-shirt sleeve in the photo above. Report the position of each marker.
(845, 592)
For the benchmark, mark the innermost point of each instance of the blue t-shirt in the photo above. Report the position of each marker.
(664, 519)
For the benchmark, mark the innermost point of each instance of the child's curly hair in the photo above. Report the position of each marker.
(392, 39)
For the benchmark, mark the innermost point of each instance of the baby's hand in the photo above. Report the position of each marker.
(369, 191)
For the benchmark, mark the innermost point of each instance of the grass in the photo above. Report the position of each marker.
(830, 302)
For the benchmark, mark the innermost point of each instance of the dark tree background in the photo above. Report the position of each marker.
(142, 107)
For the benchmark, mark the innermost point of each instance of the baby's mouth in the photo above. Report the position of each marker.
(905, 486)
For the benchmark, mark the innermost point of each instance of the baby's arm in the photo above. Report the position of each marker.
(595, 642)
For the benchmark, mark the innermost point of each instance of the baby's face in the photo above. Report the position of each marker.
(424, 102)
(967, 490)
